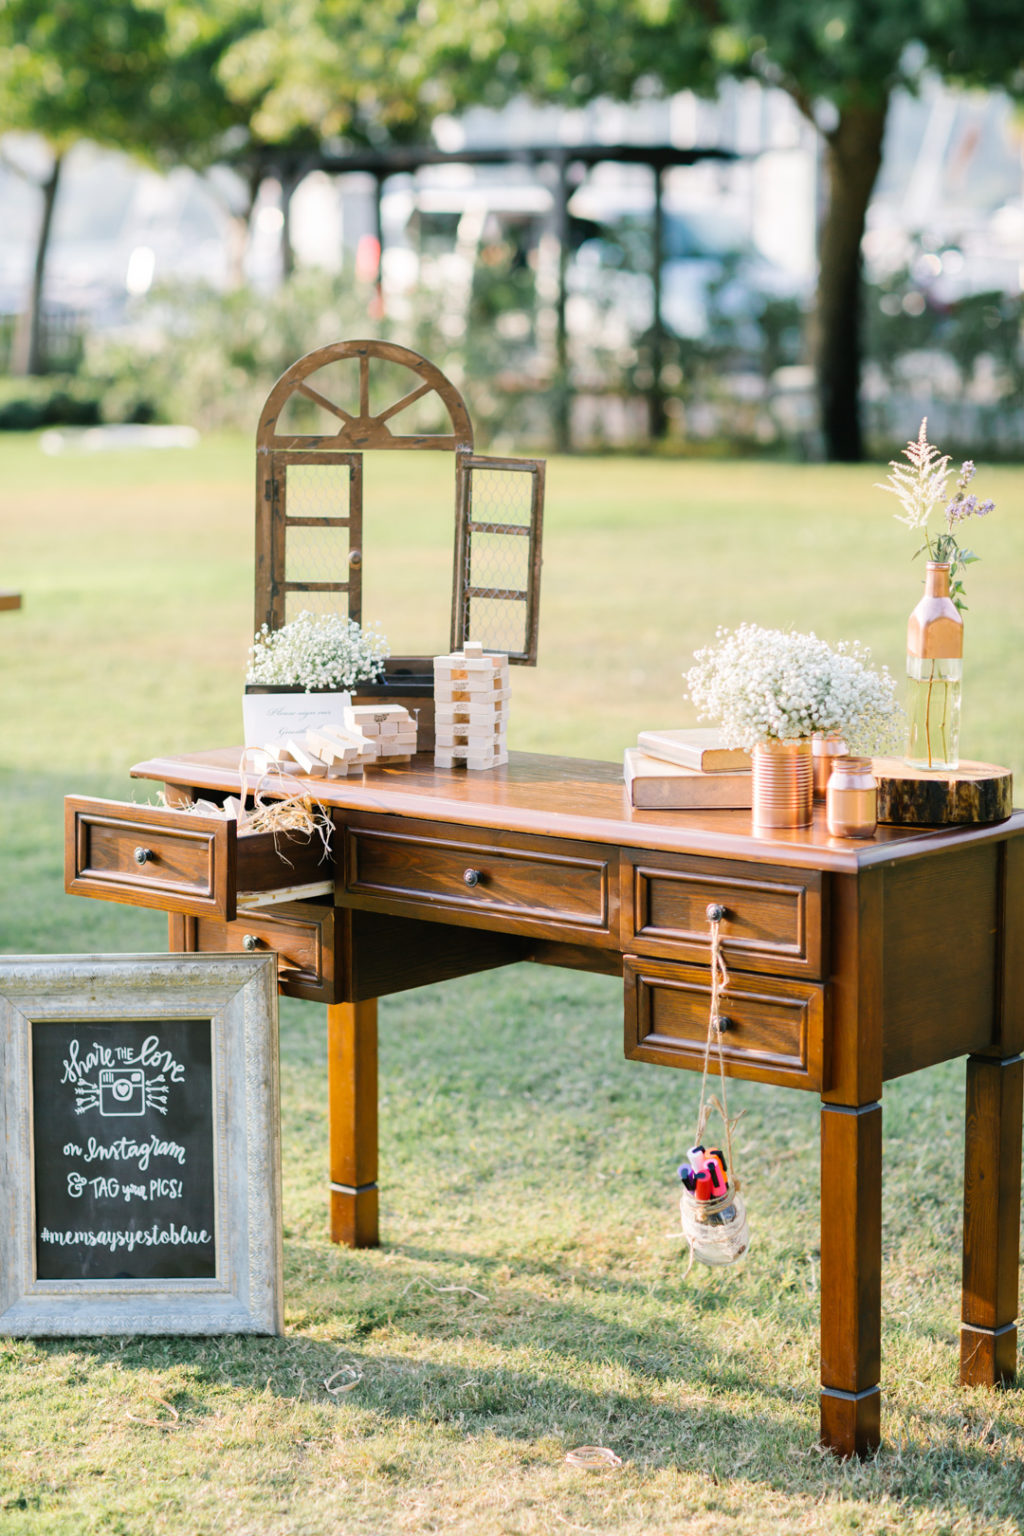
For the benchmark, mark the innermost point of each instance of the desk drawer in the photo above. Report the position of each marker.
(180, 861)
(775, 1031)
(532, 885)
(302, 934)
(773, 916)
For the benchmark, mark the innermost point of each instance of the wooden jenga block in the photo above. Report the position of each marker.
(263, 761)
(364, 747)
(313, 766)
(280, 752)
(345, 735)
(368, 716)
(333, 750)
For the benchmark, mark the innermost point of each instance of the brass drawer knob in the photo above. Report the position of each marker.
(250, 941)
(143, 855)
(471, 876)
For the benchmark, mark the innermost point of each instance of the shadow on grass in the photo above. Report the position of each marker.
(731, 1430)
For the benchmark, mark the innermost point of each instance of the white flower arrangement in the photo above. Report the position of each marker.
(777, 685)
(317, 651)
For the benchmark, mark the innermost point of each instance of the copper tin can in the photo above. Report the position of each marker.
(851, 801)
(782, 784)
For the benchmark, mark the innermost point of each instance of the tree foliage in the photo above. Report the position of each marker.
(839, 61)
(336, 70)
(255, 84)
(128, 74)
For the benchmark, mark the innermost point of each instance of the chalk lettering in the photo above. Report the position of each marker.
(124, 1149)
(170, 1189)
(162, 1061)
(77, 1067)
(151, 1237)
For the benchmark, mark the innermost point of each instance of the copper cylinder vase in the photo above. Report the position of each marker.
(825, 748)
(782, 784)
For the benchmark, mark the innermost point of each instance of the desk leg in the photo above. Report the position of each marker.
(352, 1121)
(851, 1277)
(992, 1152)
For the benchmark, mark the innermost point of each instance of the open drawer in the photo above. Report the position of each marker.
(181, 861)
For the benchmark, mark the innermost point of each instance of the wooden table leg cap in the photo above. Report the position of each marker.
(850, 1421)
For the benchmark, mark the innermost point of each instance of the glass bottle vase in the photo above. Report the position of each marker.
(935, 642)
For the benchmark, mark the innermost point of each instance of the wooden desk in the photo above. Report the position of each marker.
(852, 963)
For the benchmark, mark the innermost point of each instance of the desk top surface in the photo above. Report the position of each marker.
(571, 798)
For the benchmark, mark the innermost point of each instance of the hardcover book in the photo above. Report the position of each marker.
(697, 748)
(655, 785)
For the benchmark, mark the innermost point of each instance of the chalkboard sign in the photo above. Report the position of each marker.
(123, 1149)
(139, 1144)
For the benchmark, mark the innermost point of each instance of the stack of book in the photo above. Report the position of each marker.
(686, 770)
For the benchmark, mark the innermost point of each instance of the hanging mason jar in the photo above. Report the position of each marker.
(935, 646)
(716, 1230)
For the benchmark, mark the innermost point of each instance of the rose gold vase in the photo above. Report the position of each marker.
(824, 751)
(782, 784)
(852, 799)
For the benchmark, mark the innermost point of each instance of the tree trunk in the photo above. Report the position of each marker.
(29, 351)
(239, 220)
(853, 157)
(288, 185)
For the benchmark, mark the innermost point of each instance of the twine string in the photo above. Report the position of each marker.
(719, 984)
(296, 813)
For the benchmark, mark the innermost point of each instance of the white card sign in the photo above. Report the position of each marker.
(270, 717)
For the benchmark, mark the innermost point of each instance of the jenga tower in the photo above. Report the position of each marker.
(470, 708)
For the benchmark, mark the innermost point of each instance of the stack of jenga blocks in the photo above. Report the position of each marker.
(389, 727)
(470, 708)
(372, 735)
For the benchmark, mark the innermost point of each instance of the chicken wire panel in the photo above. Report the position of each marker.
(316, 603)
(499, 564)
(320, 536)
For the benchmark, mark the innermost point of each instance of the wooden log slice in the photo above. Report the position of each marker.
(913, 797)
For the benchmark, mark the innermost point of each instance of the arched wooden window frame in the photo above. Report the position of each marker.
(360, 429)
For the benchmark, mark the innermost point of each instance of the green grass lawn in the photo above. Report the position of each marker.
(529, 1295)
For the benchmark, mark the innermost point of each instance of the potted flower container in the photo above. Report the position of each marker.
(307, 672)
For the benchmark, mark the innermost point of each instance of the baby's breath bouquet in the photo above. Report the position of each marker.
(317, 651)
(763, 685)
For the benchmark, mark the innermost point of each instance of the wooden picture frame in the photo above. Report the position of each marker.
(140, 1178)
